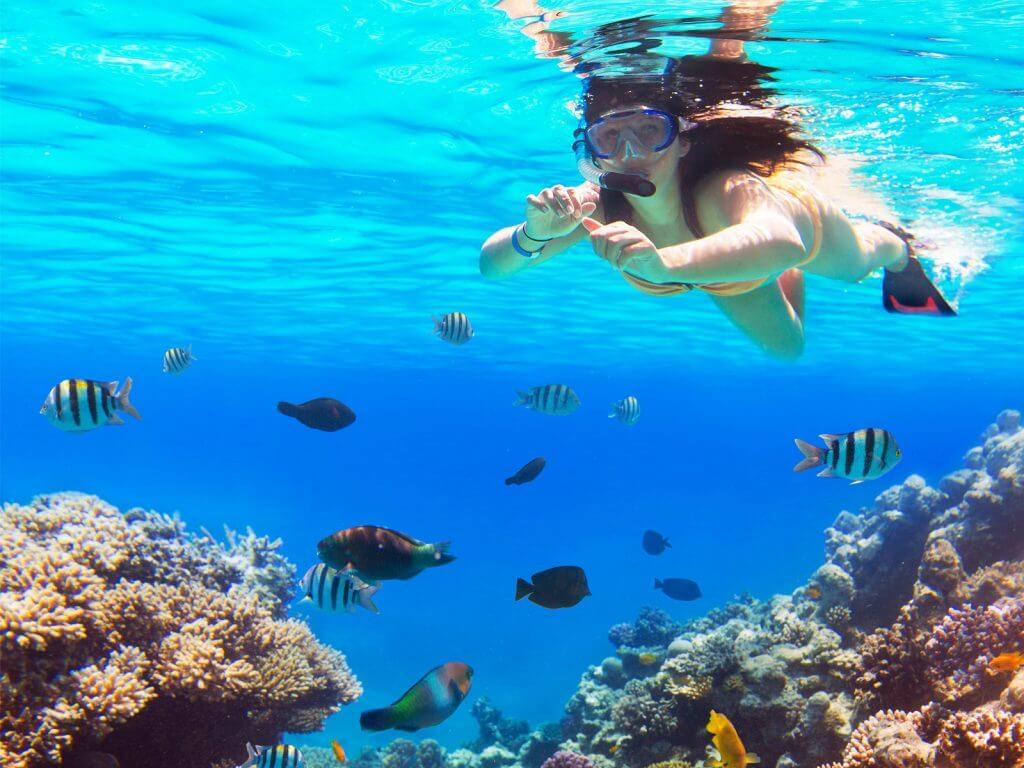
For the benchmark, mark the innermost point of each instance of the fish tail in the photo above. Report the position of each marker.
(523, 588)
(437, 324)
(812, 455)
(251, 759)
(668, 544)
(441, 556)
(190, 355)
(124, 403)
(522, 398)
(378, 719)
(751, 757)
(658, 584)
(510, 480)
(288, 409)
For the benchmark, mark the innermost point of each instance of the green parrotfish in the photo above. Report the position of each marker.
(377, 554)
(430, 702)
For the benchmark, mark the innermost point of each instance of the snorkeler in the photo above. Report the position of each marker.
(698, 194)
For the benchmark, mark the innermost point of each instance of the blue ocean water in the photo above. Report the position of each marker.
(295, 190)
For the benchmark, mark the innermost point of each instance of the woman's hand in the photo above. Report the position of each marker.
(622, 245)
(555, 212)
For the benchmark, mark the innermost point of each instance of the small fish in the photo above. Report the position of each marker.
(77, 405)
(856, 456)
(614, 748)
(376, 553)
(732, 753)
(552, 399)
(323, 413)
(560, 587)
(429, 702)
(626, 410)
(655, 543)
(528, 472)
(177, 359)
(334, 590)
(678, 589)
(339, 752)
(813, 592)
(647, 658)
(454, 328)
(1007, 662)
(277, 756)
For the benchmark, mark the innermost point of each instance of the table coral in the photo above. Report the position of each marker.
(128, 634)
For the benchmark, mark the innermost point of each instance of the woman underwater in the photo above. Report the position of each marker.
(731, 214)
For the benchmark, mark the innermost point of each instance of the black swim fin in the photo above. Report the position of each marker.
(910, 292)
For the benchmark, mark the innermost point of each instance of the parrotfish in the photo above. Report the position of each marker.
(560, 587)
(277, 756)
(626, 410)
(78, 405)
(732, 753)
(528, 472)
(429, 702)
(856, 456)
(323, 413)
(552, 399)
(377, 554)
(654, 543)
(454, 328)
(678, 589)
(334, 590)
(177, 359)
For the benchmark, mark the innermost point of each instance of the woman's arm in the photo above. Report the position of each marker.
(756, 236)
(555, 210)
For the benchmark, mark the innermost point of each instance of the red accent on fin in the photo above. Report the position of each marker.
(929, 308)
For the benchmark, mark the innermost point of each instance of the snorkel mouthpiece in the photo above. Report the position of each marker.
(631, 183)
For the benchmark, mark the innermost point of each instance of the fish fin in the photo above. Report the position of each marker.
(751, 757)
(523, 588)
(288, 409)
(829, 438)
(667, 544)
(366, 597)
(124, 403)
(407, 728)
(251, 756)
(827, 472)
(111, 387)
(190, 355)
(437, 324)
(114, 420)
(658, 584)
(510, 480)
(378, 719)
(522, 398)
(812, 455)
(856, 482)
(441, 556)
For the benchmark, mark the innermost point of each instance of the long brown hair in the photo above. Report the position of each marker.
(702, 90)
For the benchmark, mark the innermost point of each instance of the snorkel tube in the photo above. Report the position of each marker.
(632, 183)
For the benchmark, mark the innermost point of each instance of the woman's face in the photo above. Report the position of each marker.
(631, 137)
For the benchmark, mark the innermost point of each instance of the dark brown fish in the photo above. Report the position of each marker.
(655, 543)
(323, 413)
(377, 553)
(679, 589)
(528, 473)
(560, 587)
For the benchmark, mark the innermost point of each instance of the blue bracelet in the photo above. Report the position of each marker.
(520, 250)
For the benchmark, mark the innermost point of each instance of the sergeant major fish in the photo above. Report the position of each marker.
(429, 702)
(376, 553)
(277, 756)
(177, 359)
(454, 328)
(78, 405)
(333, 590)
(552, 399)
(856, 456)
(626, 410)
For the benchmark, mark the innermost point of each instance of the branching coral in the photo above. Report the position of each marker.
(164, 648)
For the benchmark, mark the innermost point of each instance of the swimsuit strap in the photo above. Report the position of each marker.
(804, 197)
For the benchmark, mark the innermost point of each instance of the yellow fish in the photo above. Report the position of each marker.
(1007, 662)
(731, 751)
(613, 749)
(647, 658)
(339, 753)
(813, 592)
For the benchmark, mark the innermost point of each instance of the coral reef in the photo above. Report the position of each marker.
(125, 633)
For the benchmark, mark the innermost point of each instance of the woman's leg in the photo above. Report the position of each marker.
(768, 317)
(850, 251)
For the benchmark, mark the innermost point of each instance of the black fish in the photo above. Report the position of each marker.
(559, 587)
(528, 473)
(655, 543)
(678, 589)
(324, 413)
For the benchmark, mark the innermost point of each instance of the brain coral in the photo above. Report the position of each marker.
(125, 633)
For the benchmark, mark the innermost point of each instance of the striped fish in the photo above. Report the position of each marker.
(77, 405)
(454, 328)
(552, 399)
(277, 756)
(857, 456)
(334, 590)
(626, 410)
(177, 359)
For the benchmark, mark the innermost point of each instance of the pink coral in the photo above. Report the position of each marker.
(104, 644)
(566, 759)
